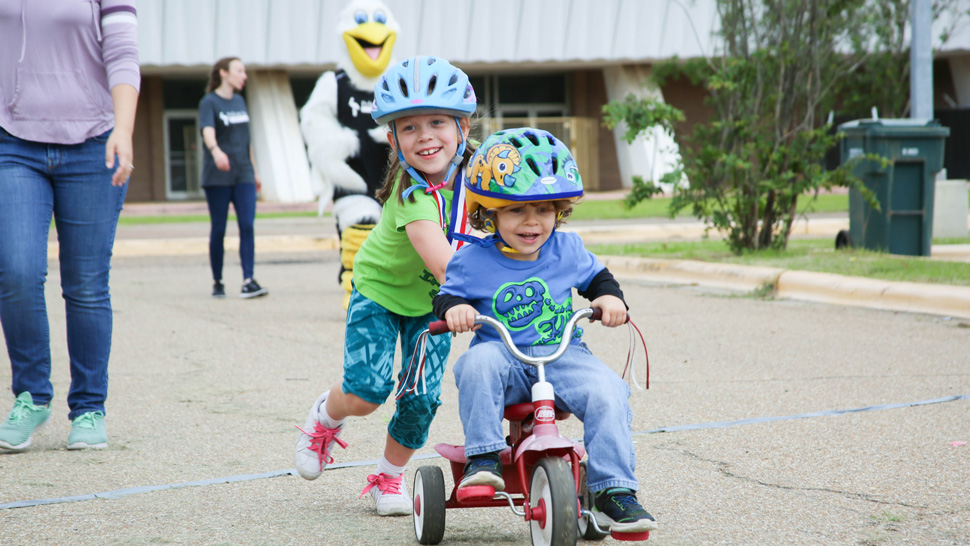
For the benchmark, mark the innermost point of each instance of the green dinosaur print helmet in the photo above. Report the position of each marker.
(523, 165)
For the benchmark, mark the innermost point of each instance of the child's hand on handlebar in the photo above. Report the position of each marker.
(613, 308)
(461, 318)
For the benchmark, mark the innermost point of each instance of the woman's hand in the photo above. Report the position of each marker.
(461, 318)
(220, 158)
(119, 143)
(124, 99)
(614, 310)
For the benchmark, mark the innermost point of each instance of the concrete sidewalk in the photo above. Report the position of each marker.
(313, 233)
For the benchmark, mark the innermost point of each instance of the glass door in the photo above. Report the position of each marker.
(183, 155)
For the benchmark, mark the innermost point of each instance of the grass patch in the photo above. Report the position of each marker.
(659, 207)
(616, 209)
(612, 209)
(817, 255)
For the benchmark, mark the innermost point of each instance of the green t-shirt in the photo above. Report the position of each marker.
(387, 269)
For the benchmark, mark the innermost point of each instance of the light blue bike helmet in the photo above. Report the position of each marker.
(423, 85)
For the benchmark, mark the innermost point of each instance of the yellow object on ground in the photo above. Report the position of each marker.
(350, 241)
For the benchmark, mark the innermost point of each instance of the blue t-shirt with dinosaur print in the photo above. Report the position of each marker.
(533, 299)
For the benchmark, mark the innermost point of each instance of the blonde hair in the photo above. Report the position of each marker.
(481, 216)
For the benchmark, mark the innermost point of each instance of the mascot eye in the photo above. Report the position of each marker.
(503, 167)
(360, 17)
(530, 292)
(380, 17)
(571, 175)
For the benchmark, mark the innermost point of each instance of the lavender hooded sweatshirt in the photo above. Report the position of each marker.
(59, 61)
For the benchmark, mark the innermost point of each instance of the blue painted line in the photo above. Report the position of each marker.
(118, 493)
(827, 413)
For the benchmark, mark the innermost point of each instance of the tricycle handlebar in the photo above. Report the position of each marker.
(441, 327)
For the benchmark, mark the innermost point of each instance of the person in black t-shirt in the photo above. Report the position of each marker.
(229, 172)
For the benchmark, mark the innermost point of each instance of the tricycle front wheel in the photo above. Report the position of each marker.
(552, 503)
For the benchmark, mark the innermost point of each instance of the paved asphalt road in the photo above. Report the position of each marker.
(208, 391)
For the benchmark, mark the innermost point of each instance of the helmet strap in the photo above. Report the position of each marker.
(421, 180)
(459, 153)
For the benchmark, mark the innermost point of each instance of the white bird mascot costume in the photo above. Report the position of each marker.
(348, 152)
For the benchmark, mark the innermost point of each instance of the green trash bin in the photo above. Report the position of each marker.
(904, 187)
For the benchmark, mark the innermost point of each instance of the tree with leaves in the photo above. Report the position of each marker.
(782, 67)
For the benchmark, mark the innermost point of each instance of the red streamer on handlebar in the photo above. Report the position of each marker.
(415, 369)
(632, 351)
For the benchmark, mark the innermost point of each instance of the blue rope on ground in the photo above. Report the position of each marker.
(118, 493)
(827, 413)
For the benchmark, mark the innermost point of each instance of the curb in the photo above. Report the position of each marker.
(914, 297)
(944, 300)
(187, 246)
(828, 288)
(715, 275)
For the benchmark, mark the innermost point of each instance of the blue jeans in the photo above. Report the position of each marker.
(243, 199)
(371, 335)
(490, 378)
(71, 183)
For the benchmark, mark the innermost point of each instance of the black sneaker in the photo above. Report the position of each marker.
(218, 291)
(484, 469)
(252, 289)
(617, 509)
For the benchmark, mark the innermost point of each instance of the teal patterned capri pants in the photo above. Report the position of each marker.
(369, 344)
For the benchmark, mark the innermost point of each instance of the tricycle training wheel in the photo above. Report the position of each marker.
(429, 505)
(552, 502)
(586, 529)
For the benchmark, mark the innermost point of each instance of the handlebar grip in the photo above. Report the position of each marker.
(598, 315)
(438, 327)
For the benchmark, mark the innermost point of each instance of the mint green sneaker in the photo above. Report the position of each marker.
(87, 431)
(20, 425)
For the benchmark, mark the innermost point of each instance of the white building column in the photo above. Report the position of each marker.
(276, 138)
(960, 71)
(653, 153)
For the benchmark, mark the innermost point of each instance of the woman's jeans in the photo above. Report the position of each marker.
(489, 378)
(71, 183)
(243, 199)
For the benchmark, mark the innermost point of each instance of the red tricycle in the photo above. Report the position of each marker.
(542, 469)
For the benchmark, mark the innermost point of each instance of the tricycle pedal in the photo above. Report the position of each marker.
(475, 492)
(630, 537)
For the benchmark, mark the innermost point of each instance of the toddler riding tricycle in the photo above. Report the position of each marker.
(543, 472)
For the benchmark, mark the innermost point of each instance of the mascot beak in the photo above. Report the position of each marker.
(370, 46)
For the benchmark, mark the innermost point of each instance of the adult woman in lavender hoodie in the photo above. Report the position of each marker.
(69, 82)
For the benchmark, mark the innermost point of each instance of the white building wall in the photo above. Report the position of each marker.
(301, 33)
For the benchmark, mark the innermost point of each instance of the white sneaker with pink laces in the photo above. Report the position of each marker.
(313, 445)
(389, 494)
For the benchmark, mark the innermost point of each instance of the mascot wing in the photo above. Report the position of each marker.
(328, 142)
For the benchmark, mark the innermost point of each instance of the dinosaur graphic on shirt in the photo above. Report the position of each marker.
(520, 305)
